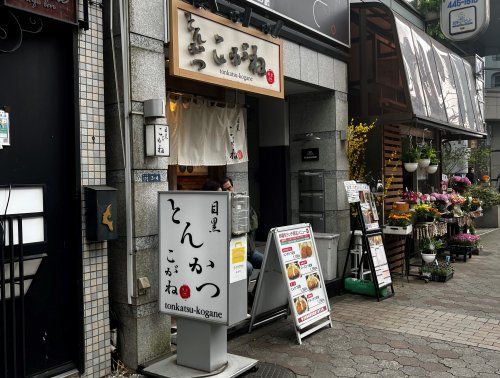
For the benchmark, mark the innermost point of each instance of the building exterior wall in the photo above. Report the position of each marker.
(97, 357)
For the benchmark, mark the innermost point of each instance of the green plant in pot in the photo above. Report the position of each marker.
(428, 249)
(434, 162)
(410, 158)
(426, 153)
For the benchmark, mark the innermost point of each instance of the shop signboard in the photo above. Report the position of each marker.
(291, 278)
(212, 49)
(194, 241)
(61, 10)
(238, 259)
(379, 259)
(300, 263)
(368, 207)
(463, 20)
(4, 129)
(328, 18)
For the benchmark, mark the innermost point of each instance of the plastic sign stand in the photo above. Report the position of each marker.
(198, 285)
(291, 273)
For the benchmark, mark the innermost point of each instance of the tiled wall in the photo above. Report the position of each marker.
(93, 172)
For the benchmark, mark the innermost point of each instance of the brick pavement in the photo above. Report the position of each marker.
(435, 329)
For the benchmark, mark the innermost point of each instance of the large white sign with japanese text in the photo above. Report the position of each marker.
(300, 263)
(194, 242)
(463, 20)
(210, 48)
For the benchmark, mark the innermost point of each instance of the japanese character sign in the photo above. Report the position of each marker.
(213, 49)
(194, 240)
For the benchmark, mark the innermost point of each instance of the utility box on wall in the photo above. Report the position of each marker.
(101, 213)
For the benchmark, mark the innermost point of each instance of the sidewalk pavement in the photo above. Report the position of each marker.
(436, 329)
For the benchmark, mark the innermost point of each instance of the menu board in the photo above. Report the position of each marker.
(379, 258)
(300, 263)
(368, 208)
(351, 188)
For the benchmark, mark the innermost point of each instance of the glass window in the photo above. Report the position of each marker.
(496, 57)
(495, 80)
(411, 67)
(474, 98)
(448, 86)
(430, 79)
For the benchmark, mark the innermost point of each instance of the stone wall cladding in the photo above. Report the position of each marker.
(93, 172)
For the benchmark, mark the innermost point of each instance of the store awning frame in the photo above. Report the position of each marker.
(434, 86)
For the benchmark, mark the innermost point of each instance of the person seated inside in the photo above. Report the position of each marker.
(254, 257)
(211, 186)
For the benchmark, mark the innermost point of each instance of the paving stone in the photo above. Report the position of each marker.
(364, 360)
(361, 351)
(421, 349)
(367, 368)
(391, 373)
(453, 362)
(344, 372)
(408, 361)
(384, 356)
(397, 344)
(414, 371)
(462, 372)
(434, 367)
(380, 347)
(404, 352)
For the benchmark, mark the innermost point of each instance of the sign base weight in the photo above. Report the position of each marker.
(168, 368)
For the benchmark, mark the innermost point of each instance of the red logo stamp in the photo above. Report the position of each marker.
(270, 76)
(240, 154)
(184, 291)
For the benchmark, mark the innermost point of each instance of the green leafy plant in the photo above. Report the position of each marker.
(430, 245)
(488, 196)
(479, 158)
(411, 155)
(442, 269)
(426, 6)
(427, 152)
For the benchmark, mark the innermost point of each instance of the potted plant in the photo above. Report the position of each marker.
(463, 244)
(441, 201)
(426, 152)
(442, 271)
(429, 248)
(399, 223)
(410, 158)
(412, 198)
(425, 213)
(460, 184)
(434, 164)
(490, 201)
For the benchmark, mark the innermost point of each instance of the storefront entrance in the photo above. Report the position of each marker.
(42, 332)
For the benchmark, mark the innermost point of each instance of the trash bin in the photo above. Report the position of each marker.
(327, 245)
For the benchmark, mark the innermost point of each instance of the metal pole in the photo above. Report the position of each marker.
(13, 297)
(21, 295)
(2, 299)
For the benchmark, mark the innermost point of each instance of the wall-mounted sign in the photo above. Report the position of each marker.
(330, 18)
(310, 154)
(157, 140)
(4, 129)
(462, 20)
(61, 10)
(213, 49)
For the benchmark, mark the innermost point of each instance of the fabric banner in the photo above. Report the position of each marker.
(202, 134)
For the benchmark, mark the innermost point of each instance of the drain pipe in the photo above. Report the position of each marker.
(124, 6)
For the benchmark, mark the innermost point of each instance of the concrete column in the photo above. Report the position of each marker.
(143, 332)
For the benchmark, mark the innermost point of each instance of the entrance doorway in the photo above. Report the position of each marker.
(43, 336)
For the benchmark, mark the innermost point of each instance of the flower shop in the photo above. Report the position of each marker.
(411, 100)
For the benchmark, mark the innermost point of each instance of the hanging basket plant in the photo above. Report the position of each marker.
(410, 158)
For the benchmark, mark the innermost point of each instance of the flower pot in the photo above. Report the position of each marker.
(424, 163)
(428, 257)
(411, 167)
(432, 169)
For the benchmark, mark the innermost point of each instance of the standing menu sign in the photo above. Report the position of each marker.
(368, 207)
(194, 242)
(379, 258)
(302, 276)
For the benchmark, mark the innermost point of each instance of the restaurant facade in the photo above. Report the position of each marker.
(246, 89)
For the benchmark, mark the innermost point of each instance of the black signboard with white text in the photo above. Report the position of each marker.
(330, 18)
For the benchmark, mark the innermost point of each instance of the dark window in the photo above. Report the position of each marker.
(495, 80)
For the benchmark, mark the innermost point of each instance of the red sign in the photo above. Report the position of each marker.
(61, 10)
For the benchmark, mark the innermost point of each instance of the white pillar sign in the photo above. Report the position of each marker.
(194, 241)
(463, 20)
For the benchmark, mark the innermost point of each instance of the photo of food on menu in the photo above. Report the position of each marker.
(313, 281)
(300, 304)
(305, 249)
(292, 271)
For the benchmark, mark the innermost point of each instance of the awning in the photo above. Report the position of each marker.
(415, 78)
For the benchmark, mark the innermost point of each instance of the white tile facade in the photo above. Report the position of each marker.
(93, 172)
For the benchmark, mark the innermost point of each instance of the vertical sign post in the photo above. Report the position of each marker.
(194, 267)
